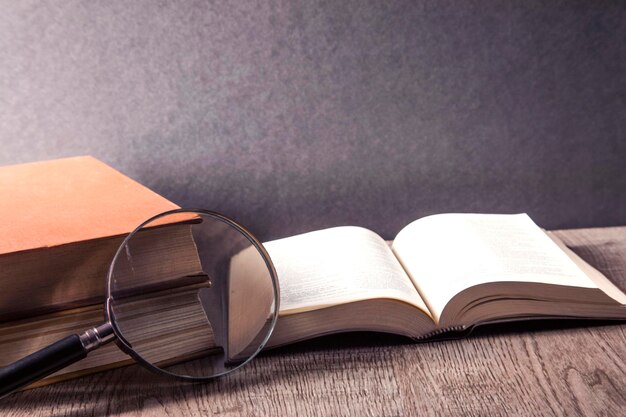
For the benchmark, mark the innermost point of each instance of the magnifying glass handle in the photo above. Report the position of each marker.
(52, 358)
(41, 364)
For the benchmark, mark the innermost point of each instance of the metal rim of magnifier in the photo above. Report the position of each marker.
(126, 346)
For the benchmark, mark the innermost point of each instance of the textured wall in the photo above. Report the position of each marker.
(296, 115)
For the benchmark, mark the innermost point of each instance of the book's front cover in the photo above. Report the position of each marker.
(51, 203)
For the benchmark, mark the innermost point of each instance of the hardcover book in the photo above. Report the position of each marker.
(62, 222)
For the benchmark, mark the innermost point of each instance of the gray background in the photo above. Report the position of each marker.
(297, 115)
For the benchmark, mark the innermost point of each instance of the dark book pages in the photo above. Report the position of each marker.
(160, 307)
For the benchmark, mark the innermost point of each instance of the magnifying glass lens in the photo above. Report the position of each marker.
(192, 294)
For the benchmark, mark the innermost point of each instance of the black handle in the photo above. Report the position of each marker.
(41, 364)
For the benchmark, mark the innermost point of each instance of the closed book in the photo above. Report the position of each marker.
(61, 223)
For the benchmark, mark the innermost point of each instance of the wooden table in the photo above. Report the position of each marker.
(541, 368)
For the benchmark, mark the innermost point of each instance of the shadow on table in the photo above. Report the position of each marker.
(355, 340)
(128, 390)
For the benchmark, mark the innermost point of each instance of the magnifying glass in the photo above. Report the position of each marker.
(190, 294)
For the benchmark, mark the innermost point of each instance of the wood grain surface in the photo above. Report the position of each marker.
(561, 368)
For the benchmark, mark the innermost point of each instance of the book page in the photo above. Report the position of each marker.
(447, 253)
(596, 276)
(338, 265)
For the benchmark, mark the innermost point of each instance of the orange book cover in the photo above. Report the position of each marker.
(55, 216)
(51, 203)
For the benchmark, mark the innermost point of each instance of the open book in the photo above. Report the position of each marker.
(446, 272)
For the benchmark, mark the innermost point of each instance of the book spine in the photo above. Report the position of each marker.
(451, 332)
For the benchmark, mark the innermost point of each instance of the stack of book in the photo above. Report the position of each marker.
(62, 222)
